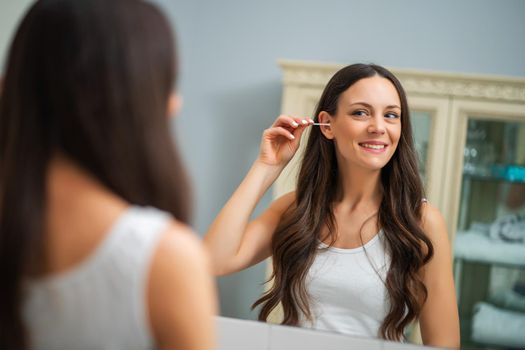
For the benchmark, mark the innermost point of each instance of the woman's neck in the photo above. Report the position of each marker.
(360, 187)
(73, 193)
(68, 183)
(79, 213)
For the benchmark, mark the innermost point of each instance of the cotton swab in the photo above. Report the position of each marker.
(322, 124)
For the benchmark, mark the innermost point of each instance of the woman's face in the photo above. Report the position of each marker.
(367, 126)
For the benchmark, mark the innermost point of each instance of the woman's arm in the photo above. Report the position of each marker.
(181, 293)
(235, 243)
(439, 318)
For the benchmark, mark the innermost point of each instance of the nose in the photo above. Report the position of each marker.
(376, 125)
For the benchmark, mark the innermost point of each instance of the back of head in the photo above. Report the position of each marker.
(89, 79)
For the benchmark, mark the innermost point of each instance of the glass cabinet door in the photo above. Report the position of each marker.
(428, 116)
(421, 123)
(489, 246)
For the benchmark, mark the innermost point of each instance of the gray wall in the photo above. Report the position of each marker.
(231, 83)
(10, 14)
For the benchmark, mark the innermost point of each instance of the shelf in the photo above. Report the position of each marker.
(508, 173)
(475, 246)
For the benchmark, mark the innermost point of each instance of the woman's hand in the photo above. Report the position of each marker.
(281, 140)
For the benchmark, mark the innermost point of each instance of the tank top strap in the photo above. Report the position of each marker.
(138, 227)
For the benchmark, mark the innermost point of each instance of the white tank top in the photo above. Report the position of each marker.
(101, 303)
(346, 289)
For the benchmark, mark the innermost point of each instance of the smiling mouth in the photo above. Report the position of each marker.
(370, 146)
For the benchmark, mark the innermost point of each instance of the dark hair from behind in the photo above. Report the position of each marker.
(89, 79)
(295, 242)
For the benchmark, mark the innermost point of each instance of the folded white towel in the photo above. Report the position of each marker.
(474, 246)
(494, 326)
(509, 300)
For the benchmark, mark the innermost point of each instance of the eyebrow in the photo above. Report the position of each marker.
(370, 106)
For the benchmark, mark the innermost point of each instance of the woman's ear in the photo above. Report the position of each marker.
(174, 104)
(326, 118)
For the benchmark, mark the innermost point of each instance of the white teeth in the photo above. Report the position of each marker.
(373, 146)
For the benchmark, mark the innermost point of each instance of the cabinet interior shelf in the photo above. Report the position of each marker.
(509, 173)
(476, 247)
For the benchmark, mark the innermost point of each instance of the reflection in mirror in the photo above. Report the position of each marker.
(421, 122)
(488, 131)
(438, 132)
(349, 244)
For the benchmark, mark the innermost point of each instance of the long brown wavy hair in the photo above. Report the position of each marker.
(296, 240)
(89, 79)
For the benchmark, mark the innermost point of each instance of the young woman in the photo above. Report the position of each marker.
(86, 262)
(356, 248)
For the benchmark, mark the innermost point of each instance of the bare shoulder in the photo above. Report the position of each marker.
(282, 203)
(439, 316)
(179, 259)
(180, 268)
(433, 222)
(434, 226)
(179, 244)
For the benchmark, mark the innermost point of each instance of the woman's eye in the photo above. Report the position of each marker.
(392, 115)
(360, 113)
